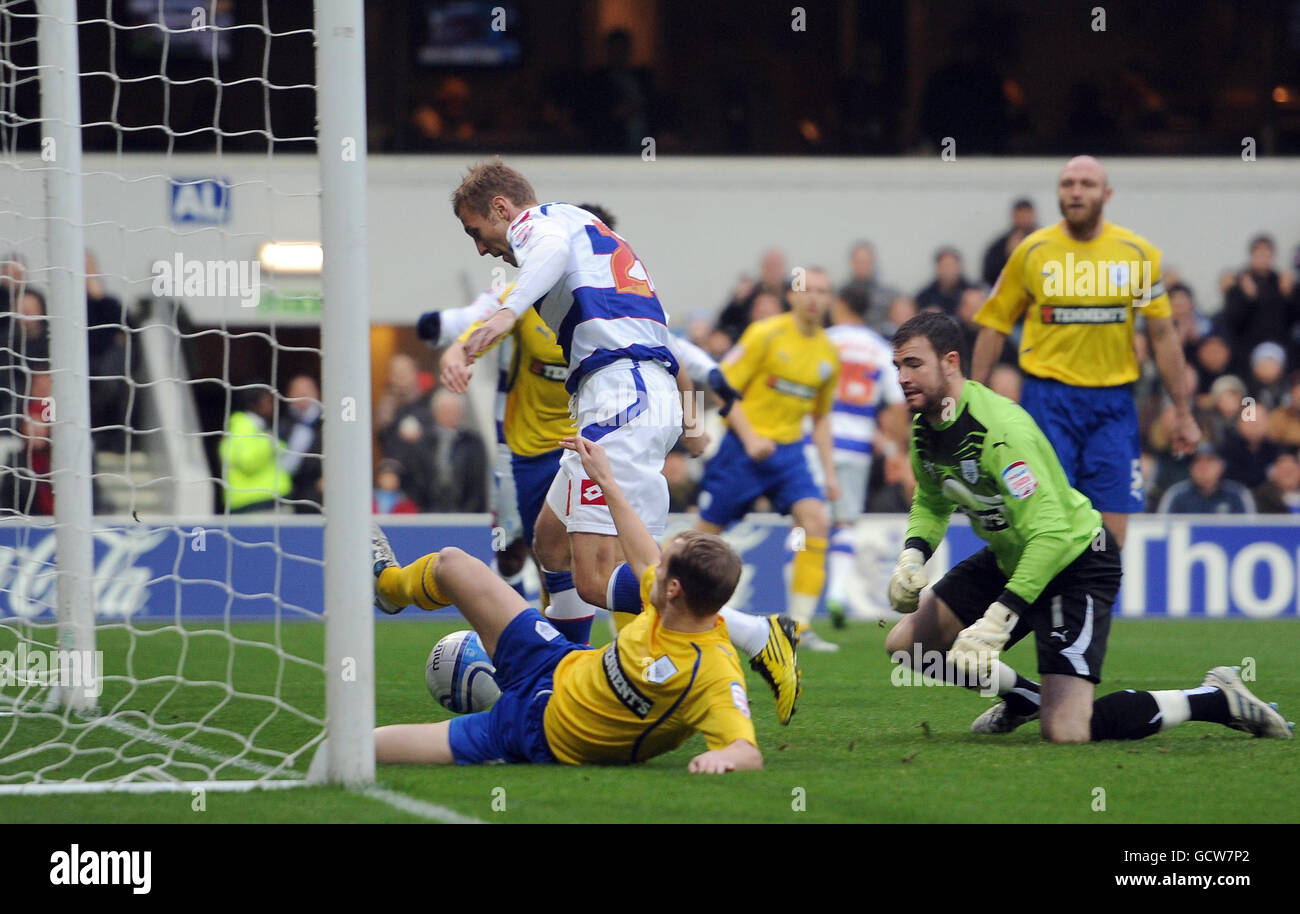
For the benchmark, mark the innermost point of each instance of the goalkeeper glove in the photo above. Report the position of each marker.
(718, 384)
(977, 644)
(907, 581)
(429, 327)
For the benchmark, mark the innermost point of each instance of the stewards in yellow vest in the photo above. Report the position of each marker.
(251, 477)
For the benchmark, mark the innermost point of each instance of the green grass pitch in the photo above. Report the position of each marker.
(859, 750)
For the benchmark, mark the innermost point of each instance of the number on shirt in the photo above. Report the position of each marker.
(857, 383)
(623, 264)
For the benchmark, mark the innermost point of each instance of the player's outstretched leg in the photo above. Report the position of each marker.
(773, 648)
(397, 587)
(1222, 698)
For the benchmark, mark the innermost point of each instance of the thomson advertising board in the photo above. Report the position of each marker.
(1173, 567)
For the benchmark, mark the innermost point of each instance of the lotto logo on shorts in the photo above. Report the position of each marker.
(590, 493)
(1020, 479)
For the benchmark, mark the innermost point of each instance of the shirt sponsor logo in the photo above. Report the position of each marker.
(739, 698)
(549, 370)
(793, 389)
(590, 493)
(1084, 314)
(1019, 479)
(623, 690)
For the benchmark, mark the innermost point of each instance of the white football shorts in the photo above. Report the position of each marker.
(634, 411)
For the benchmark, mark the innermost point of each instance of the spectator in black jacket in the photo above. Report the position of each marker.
(458, 480)
(1023, 221)
(1281, 493)
(1246, 448)
(1259, 307)
(772, 278)
(107, 327)
(945, 291)
(864, 292)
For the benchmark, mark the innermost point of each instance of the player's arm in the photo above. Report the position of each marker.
(542, 258)
(438, 328)
(927, 521)
(704, 371)
(720, 713)
(740, 755)
(639, 547)
(693, 435)
(999, 313)
(1168, 351)
(926, 524)
(1038, 517)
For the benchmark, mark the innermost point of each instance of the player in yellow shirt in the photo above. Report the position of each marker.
(671, 673)
(787, 370)
(1080, 285)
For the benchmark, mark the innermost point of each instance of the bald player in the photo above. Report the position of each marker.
(1080, 285)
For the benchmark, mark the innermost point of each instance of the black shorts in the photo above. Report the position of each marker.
(1070, 619)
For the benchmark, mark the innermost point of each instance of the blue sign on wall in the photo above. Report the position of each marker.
(1174, 567)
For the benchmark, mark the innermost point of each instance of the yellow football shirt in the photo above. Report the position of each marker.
(783, 375)
(537, 405)
(647, 692)
(1079, 299)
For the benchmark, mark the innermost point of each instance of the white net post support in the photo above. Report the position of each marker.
(60, 87)
(345, 359)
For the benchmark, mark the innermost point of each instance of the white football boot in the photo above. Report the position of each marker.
(1248, 712)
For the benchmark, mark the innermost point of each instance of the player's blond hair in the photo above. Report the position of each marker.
(486, 180)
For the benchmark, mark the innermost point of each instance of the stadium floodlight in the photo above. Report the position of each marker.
(213, 648)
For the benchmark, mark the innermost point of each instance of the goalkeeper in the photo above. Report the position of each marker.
(1050, 567)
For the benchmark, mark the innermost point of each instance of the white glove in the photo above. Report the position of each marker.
(975, 646)
(907, 581)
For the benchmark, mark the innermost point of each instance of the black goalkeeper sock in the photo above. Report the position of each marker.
(1209, 704)
(1023, 699)
(1125, 715)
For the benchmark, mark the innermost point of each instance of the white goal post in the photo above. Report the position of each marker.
(237, 682)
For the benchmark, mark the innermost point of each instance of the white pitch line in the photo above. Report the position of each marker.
(431, 811)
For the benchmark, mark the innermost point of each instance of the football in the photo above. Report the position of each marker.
(460, 674)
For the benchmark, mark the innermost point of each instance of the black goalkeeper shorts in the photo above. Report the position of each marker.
(1070, 619)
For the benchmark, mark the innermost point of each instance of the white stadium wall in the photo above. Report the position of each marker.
(697, 222)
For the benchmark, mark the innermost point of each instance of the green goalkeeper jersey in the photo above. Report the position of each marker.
(992, 462)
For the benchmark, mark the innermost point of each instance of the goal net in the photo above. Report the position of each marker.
(174, 482)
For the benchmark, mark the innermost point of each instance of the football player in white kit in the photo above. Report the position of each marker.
(868, 384)
(627, 387)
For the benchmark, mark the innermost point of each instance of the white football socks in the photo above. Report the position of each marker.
(748, 632)
(1174, 706)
